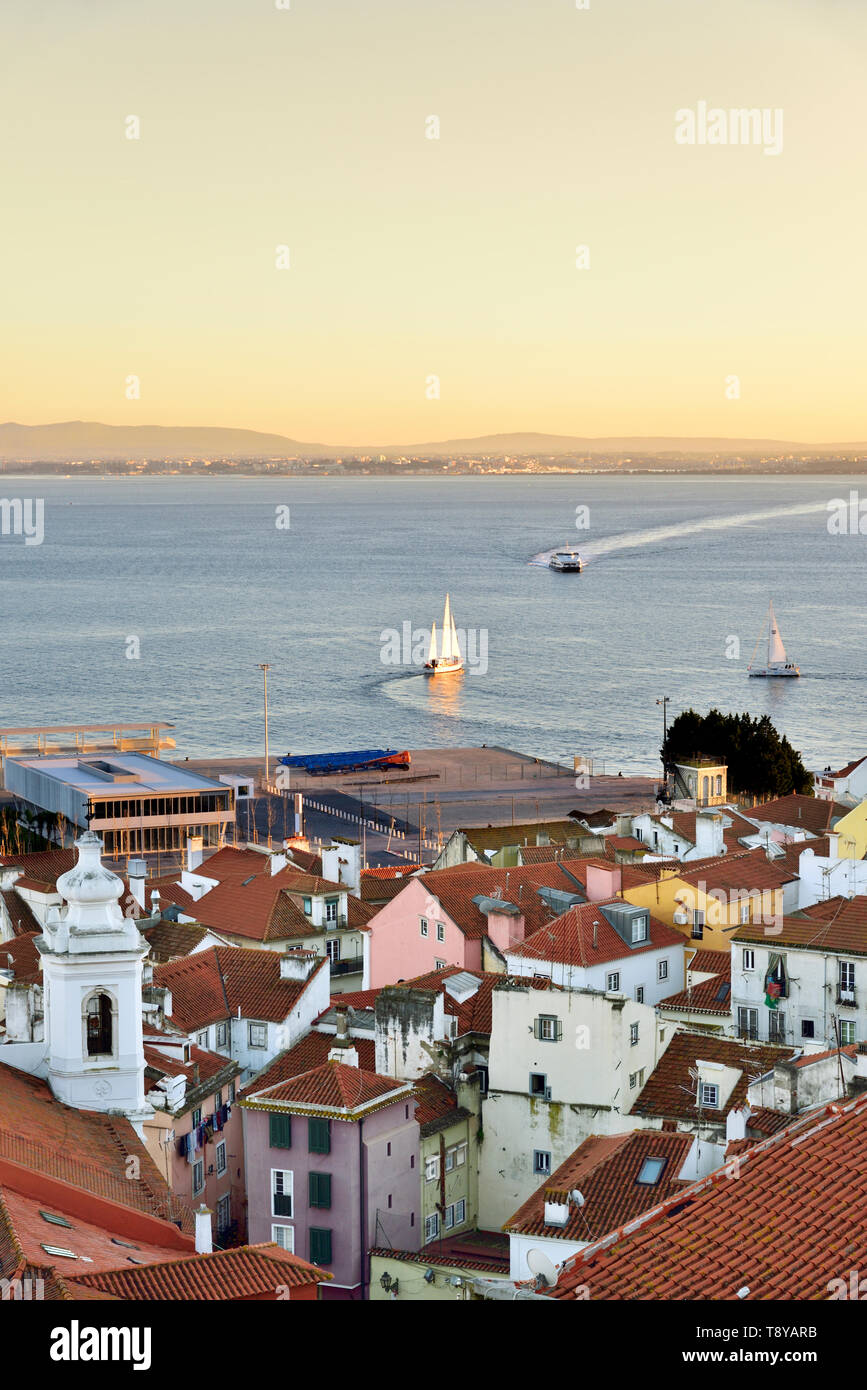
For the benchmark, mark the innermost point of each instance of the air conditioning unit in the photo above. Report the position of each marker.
(681, 919)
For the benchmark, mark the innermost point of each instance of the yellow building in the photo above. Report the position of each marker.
(851, 834)
(702, 780)
(708, 901)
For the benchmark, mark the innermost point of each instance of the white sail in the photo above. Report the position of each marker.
(776, 650)
(456, 650)
(447, 631)
(432, 654)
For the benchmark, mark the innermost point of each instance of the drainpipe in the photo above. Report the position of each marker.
(362, 1254)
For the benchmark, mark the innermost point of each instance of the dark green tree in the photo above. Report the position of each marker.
(760, 761)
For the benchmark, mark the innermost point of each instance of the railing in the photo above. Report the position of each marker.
(341, 920)
(749, 1033)
(351, 966)
(846, 997)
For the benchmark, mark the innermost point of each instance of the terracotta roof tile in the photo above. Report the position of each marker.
(838, 924)
(212, 985)
(605, 1169)
(671, 1092)
(794, 1220)
(311, 1052)
(335, 1087)
(20, 913)
(483, 1252)
(21, 957)
(224, 1275)
(809, 813)
(170, 940)
(569, 939)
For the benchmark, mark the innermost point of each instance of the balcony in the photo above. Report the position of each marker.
(353, 965)
(749, 1033)
(846, 997)
(333, 922)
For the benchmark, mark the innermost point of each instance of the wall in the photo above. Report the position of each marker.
(398, 951)
(636, 969)
(812, 981)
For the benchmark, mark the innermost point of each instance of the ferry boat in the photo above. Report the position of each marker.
(449, 661)
(775, 661)
(565, 560)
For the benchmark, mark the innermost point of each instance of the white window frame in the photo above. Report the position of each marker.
(284, 1236)
(548, 1028)
(332, 910)
(612, 982)
(441, 931)
(222, 1035)
(639, 929)
(460, 1211)
(224, 1204)
(431, 1227)
(748, 959)
(662, 970)
(449, 1218)
(439, 965)
(284, 1189)
(198, 1176)
(541, 1169)
(639, 994)
(847, 1032)
(708, 1094)
(745, 913)
(633, 1080)
(220, 1161)
(423, 926)
(258, 1045)
(332, 946)
(633, 1035)
(432, 1168)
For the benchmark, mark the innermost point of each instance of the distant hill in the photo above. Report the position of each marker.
(75, 440)
(83, 439)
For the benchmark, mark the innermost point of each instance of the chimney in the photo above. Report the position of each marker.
(156, 910)
(204, 1239)
(736, 1122)
(137, 872)
(709, 842)
(596, 936)
(297, 965)
(603, 881)
(277, 861)
(194, 853)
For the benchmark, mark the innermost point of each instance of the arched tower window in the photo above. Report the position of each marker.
(98, 1018)
(719, 785)
(705, 786)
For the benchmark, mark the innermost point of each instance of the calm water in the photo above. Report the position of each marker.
(198, 571)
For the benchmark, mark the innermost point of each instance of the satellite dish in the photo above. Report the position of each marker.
(429, 1276)
(542, 1267)
(577, 1197)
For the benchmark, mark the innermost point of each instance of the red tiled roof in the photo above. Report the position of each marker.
(210, 986)
(21, 957)
(474, 1014)
(569, 939)
(390, 871)
(791, 1222)
(42, 868)
(333, 1087)
(768, 1121)
(838, 924)
(170, 940)
(455, 889)
(484, 1252)
(712, 996)
(311, 1052)
(202, 1067)
(224, 1275)
(605, 1170)
(810, 813)
(671, 1092)
(437, 1103)
(847, 770)
(20, 913)
(358, 914)
(82, 1148)
(381, 890)
(750, 870)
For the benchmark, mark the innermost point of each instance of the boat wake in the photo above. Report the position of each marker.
(657, 534)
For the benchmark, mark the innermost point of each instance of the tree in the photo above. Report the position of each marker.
(760, 761)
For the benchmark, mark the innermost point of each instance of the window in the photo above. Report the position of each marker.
(455, 1215)
(441, 931)
(538, 1083)
(612, 982)
(388, 1150)
(319, 1189)
(280, 1131)
(197, 1118)
(307, 909)
(548, 1028)
(431, 1227)
(748, 960)
(439, 965)
(633, 1080)
(449, 1218)
(633, 1034)
(55, 1220)
(331, 910)
(231, 1093)
(808, 1028)
(422, 924)
(708, 1095)
(776, 1026)
(662, 970)
(202, 1038)
(745, 913)
(320, 1246)
(847, 982)
(221, 1158)
(847, 1032)
(639, 929)
(258, 1034)
(639, 994)
(222, 1035)
(332, 946)
(651, 1171)
(748, 1023)
(98, 1020)
(319, 1136)
(483, 1080)
(431, 1168)
(281, 1192)
(541, 1162)
(224, 1213)
(284, 1236)
(697, 923)
(198, 1176)
(455, 1156)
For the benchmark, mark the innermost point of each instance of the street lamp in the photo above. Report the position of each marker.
(265, 668)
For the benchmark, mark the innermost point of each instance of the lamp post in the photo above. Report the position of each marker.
(665, 701)
(264, 667)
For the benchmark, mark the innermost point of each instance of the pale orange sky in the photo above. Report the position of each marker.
(413, 257)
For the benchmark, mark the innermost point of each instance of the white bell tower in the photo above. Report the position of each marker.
(92, 974)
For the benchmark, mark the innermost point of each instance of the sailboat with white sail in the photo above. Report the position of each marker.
(449, 661)
(776, 663)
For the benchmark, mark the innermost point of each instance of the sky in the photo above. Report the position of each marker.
(433, 289)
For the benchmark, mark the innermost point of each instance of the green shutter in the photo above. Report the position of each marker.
(318, 1137)
(319, 1189)
(320, 1246)
(280, 1131)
